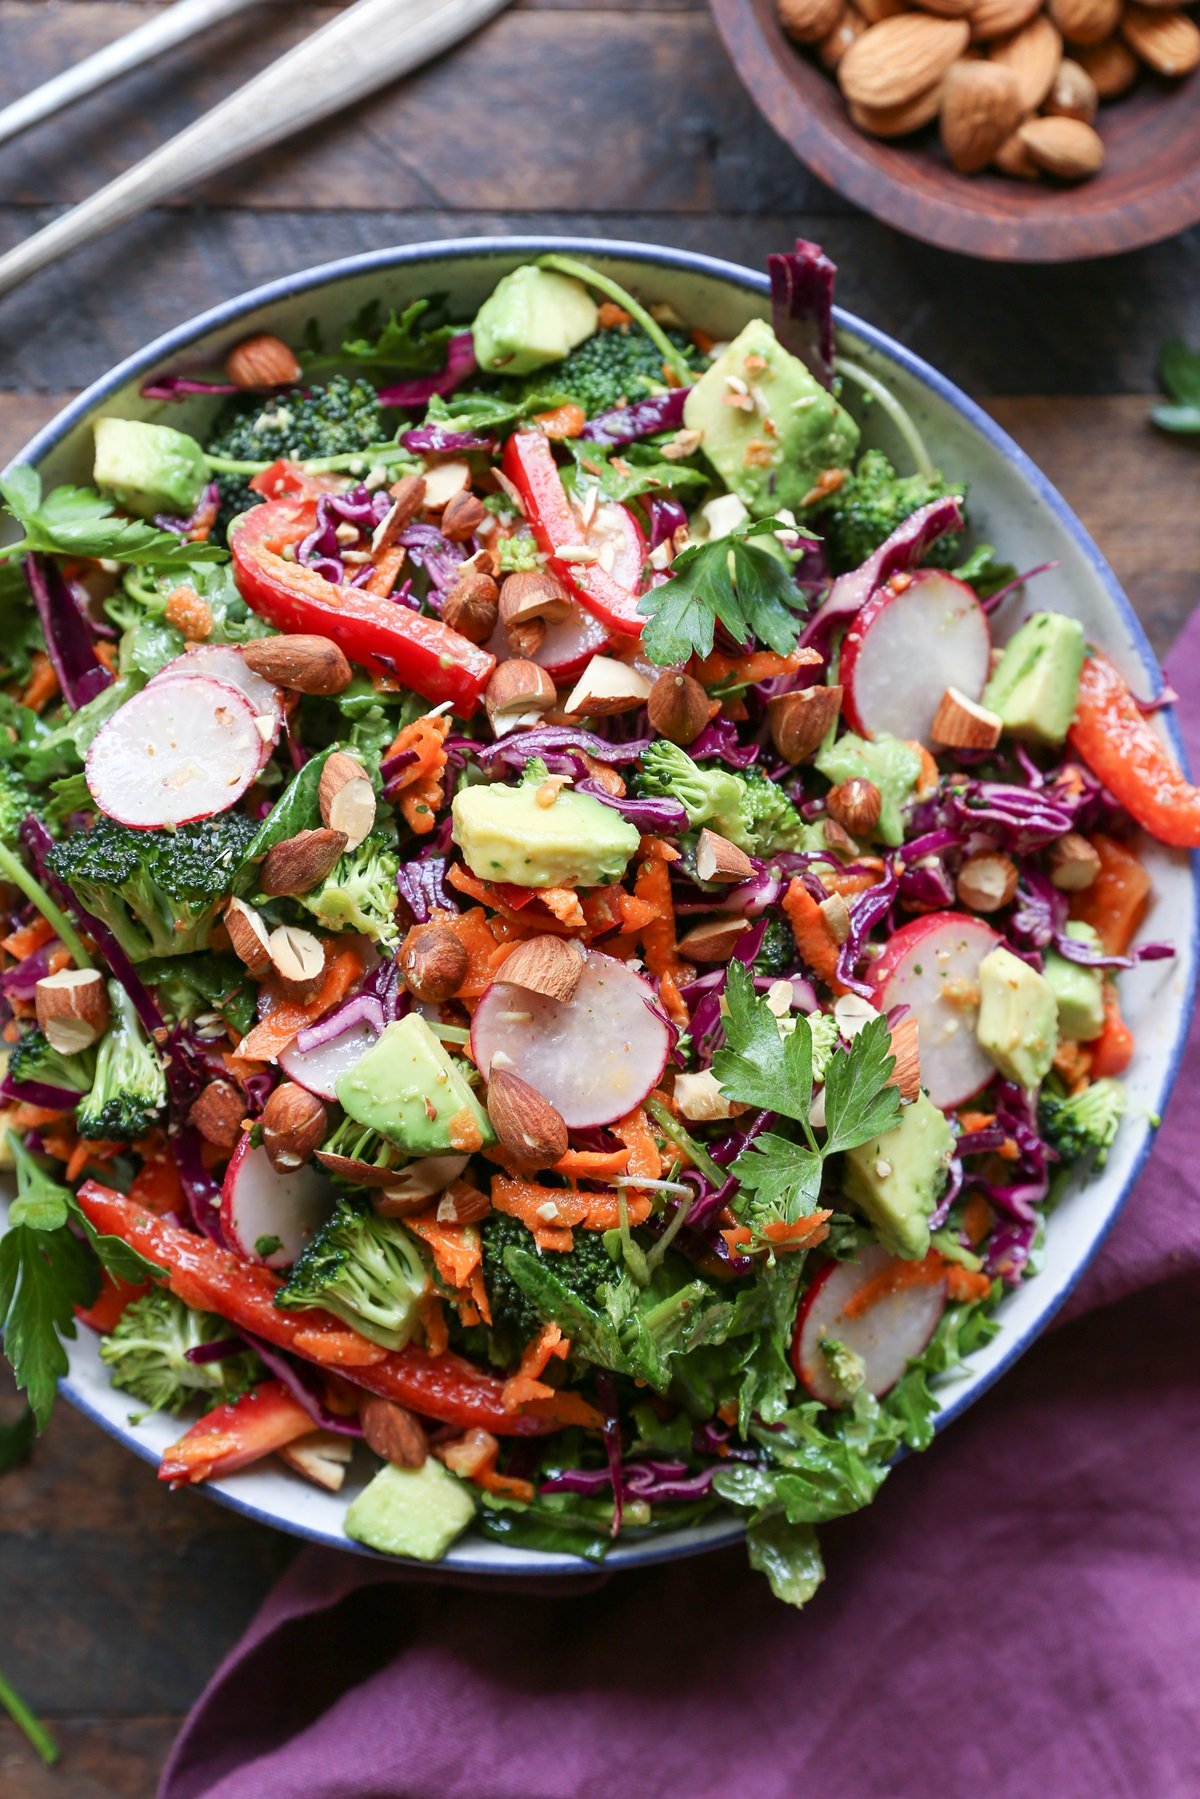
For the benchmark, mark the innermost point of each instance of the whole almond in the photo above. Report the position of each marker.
(300, 863)
(1033, 54)
(529, 1128)
(906, 1075)
(294, 1126)
(981, 106)
(408, 497)
(713, 939)
(217, 1114)
(808, 21)
(1074, 863)
(462, 1203)
(72, 1009)
(470, 606)
(433, 962)
(307, 664)
(298, 959)
(899, 121)
(1000, 18)
(678, 707)
(1086, 21)
(532, 594)
(518, 693)
(551, 966)
(393, 1433)
(1072, 94)
(462, 517)
(855, 805)
(831, 49)
(1169, 42)
(987, 882)
(875, 10)
(962, 723)
(895, 61)
(346, 798)
(799, 721)
(1012, 158)
(947, 9)
(1065, 148)
(262, 361)
(1112, 66)
(719, 860)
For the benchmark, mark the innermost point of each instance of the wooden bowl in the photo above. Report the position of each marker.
(1148, 189)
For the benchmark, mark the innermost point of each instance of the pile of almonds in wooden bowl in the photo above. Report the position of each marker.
(1015, 85)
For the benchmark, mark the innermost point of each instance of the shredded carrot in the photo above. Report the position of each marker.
(419, 785)
(28, 938)
(474, 1306)
(565, 1408)
(563, 902)
(927, 780)
(189, 613)
(810, 928)
(561, 422)
(473, 1457)
(652, 885)
(718, 669)
(894, 1278)
(1112, 1050)
(965, 1283)
(271, 1036)
(104, 1313)
(156, 1184)
(1073, 1065)
(526, 1384)
(592, 1164)
(42, 684)
(976, 1121)
(89, 1150)
(805, 1233)
(383, 577)
(1116, 900)
(344, 1349)
(455, 1248)
(530, 918)
(847, 882)
(35, 1118)
(634, 1132)
(433, 1323)
(593, 1211)
(976, 1219)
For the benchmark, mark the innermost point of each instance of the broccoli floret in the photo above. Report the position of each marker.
(611, 367)
(360, 892)
(332, 418)
(35, 1059)
(147, 1353)
(1083, 1125)
(515, 1318)
(747, 809)
(777, 952)
(16, 800)
(130, 1088)
(365, 1269)
(157, 891)
(870, 504)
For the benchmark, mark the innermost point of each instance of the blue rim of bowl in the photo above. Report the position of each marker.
(671, 1546)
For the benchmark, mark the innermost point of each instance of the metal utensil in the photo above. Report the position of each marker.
(162, 32)
(360, 50)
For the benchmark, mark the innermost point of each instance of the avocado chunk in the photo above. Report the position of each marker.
(1035, 684)
(505, 835)
(1018, 1018)
(771, 450)
(534, 316)
(411, 1511)
(897, 1179)
(888, 762)
(409, 1089)
(149, 468)
(1078, 991)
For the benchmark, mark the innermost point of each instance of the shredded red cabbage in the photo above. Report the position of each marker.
(802, 305)
(422, 886)
(207, 504)
(200, 1190)
(666, 516)
(460, 364)
(432, 439)
(39, 1093)
(440, 558)
(908, 543)
(81, 674)
(223, 1350)
(719, 738)
(515, 752)
(21, 982)
(661, 412)
(656, 815)
(299, 1383)
(866, 912)
(178, 387)
(360, 1008)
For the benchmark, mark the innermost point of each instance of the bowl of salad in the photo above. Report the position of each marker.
(596, 909)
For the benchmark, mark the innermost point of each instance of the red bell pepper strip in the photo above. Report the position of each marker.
(213, 1280)
(104, 1313)
(530, 466)
(233, 1435)
(420, 653)
(286, 480)
(1122, 749)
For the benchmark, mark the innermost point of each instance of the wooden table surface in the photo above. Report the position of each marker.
(618, 118)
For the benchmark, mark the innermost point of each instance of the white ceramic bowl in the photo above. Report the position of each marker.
(1012, 505)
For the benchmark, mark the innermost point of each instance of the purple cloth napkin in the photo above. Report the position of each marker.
(1017, 1616)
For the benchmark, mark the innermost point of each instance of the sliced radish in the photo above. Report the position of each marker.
(932, 967)
(259, 1204)
(224, 662)
(594, 1057)
(319, 1069)
(180, 750)
(907, 645)
(886, 1336)
(566, 649)
(610, 587)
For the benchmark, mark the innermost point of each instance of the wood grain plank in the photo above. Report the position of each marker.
(1081, 329)
(101, 1758)
(433, 143)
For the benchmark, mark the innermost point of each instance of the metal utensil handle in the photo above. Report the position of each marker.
(360, 50)
(162, 32)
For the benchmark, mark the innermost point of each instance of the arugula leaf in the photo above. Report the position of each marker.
(1179, 373)
(401, 342)
(859, 1104)
(743, 585)
(487, 412)
(790, 1557)
(629, 473)
(78, 521)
